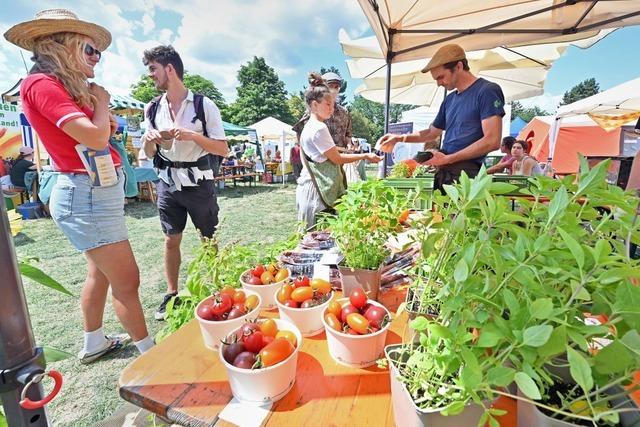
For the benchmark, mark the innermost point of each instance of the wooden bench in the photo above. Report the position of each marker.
(240, 176)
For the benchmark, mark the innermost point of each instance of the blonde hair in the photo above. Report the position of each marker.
(62, 56)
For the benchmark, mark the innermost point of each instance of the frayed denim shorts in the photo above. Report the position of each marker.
(89, 216)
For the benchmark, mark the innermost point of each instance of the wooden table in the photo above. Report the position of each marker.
(183, 381)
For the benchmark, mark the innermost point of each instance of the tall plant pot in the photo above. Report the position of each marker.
(354, 278)
(407, 414)
(530, 415)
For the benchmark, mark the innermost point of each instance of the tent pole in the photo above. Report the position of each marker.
(382, 173)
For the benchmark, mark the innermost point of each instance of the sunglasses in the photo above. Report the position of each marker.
(90, 51)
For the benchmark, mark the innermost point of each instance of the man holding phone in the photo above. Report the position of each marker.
(471, 116)
(183, 134)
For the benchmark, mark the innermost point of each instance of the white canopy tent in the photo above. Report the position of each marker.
(520, 72)
(612, 108)
(273, 133)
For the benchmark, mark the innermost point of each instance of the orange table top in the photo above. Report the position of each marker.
(184, 382)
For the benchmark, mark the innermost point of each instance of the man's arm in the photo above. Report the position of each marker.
(492, 130)
(388, 141)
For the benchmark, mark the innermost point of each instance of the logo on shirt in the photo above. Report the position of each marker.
(497, 103)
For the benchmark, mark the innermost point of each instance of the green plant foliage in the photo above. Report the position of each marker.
(366, 215)
(512, 288)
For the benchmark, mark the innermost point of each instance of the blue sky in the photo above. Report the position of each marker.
(295, 37)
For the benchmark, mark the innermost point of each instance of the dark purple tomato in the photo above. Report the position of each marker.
(236, 312)
(231, 351)
(245, 360)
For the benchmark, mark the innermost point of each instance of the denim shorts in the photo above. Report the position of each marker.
(89, 216)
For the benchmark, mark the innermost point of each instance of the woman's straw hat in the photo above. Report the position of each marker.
(53, 21)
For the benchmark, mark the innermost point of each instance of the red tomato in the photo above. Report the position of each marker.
(237, 312)
(276, 352)
(269, 328)
(333, 322)
(357, 322)
(352, 331)
(301, 294)
(291, 303)
(204, 312)
(301, 281)
(335, 308)
(221, 305)
(358, 298)
(347, 309)
(239, 296)
(266, 340)
(284, 293)
(376, 315)
(254, 342)
(254, 280)
(257, 272)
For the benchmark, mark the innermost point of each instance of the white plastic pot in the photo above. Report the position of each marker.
(308, 320)
(266, 385)
(267, 292)
(358, 351)
(213, 331)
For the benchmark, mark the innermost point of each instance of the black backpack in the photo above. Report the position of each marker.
(198, 99)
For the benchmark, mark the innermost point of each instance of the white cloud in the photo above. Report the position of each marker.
(547, 102)
(148, 24)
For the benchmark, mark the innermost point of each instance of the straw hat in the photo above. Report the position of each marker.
(53, 21)
(444, 55)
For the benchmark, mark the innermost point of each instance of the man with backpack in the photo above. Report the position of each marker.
(185, 138)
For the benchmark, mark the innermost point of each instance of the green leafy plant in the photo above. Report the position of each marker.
(365, 218)
(512, 288)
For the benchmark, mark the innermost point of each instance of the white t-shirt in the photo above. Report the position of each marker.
(316, 140)
(186, 151)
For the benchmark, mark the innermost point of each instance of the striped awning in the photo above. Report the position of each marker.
(120, 102)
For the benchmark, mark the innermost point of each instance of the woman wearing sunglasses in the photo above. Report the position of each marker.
(72, 117)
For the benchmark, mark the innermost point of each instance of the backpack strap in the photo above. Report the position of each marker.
(153, 110)
(198, 101)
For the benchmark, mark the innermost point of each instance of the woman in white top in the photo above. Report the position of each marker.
(522, 163)
(322, 180)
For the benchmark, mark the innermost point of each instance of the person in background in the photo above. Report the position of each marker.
(278, 156)
(339, 124)
(471, 115)
(267, 156)
(507, 160)
(66, 111)
(185, 167)
(522, 163)
(296, 161)
(322, 181)
(22, 165)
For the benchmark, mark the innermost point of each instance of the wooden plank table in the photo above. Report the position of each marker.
(184, 382)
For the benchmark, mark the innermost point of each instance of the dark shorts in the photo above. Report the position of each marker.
(450, 174)
(199, 202)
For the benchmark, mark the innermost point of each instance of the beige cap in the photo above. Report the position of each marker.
(444, 55)
(52, 21)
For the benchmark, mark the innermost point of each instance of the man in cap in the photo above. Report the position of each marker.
(339, 123)
(22, 165)
(471, 116)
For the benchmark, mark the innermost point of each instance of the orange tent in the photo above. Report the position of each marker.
(576, 136)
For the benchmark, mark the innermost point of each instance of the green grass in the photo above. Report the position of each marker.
(265, 213)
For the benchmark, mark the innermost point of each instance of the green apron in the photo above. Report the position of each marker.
(328, 179)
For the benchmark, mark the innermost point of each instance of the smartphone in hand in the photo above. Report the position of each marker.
(423, 156)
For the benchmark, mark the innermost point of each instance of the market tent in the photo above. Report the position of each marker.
(415, 29)
(125, 103)
(578, 135)
(609, 109)
(232, 130)
(516, 126)
(520, 72)
(272, 128)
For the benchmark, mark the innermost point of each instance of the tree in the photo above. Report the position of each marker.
(343, 87)
(374, 112)
(297, 106)
(580, 91)
(261, 94)
(144, 90)
(362, 126)
(526, 113)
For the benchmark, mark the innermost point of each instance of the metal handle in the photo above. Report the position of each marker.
(27, 403)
